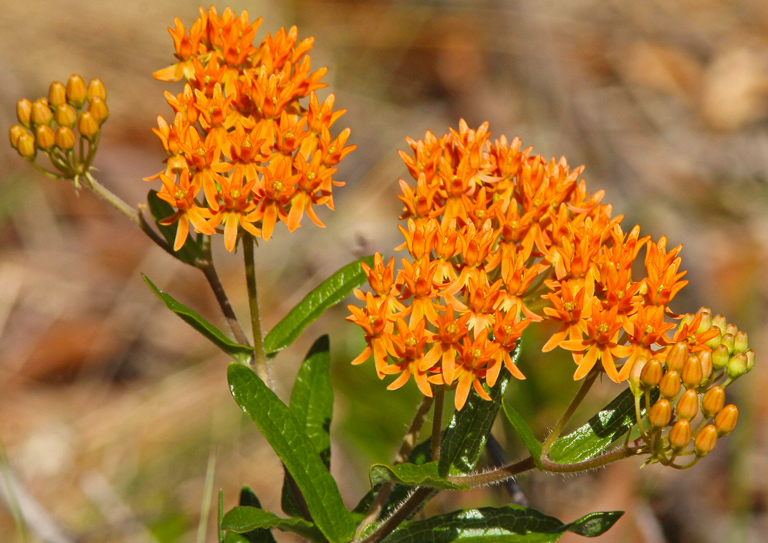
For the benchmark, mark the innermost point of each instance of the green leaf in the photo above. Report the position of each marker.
(529, 440)
(592, 439)
(312, 404)
(289, 440)
(412, 475)
(241, 353)
(160, 209)
(244, 519)
(508, 524)
(330, 292)
(258, 535)
(465, 437)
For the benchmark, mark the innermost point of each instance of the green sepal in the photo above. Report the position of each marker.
(293, 446)
(192, 249)
(245, 520)
(412, 475)
(312, 405)
(330, 292)
(613, 421)
(508, 524)
(241, 353)
(533, 445)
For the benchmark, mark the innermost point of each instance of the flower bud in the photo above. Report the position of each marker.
(680, 435)
(705, 441)
(715, 341)
(726, 419)
(719, 322)
(660, 414)
(688, 405)
(677, 356)
(26, 146)
(692, 374)
(65, 138)
(750, 359)
(634, 376)
(24, 112)
(98, 108)
(705, 357)
(87, 125)
(41, 112)
(737, 366)
(706, 320)
(15, 133)
(66, 116)
(731, 329)
(713, 401)
(96, 89)
(44, 137)
(720, 357)
(687, 319)
(651, 374)
(740, 342)
(57, 94)
(728, 340)
(670, 385)
(76, 91)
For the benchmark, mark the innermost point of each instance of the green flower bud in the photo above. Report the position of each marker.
(719, 322)
(740, 342)
(720, 357)
(728, 341)
(737, 366)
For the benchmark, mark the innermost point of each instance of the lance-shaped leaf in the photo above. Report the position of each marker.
(312, 405)
(257, 535)
(291, 443)
(241, 353)
(160, 209)
(465, 437)
(524, 433)
(509, 524)
(330, 292)
(412, 475)
(613, 421)
(245, 520)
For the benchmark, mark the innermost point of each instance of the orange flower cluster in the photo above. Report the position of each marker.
(499, 238)
(243, 152)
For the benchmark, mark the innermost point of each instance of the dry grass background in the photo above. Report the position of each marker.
(110, 405)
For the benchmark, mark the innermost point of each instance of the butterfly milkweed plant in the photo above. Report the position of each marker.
(497, 241)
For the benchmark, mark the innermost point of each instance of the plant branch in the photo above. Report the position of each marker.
(437, 423)
(585, 386)
(259, 360)
(406, 509)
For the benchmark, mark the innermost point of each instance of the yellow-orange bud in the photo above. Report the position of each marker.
(660, 414)
(87, 125)
(65, 138)
(740, 342)
(96, 89)
(705, 357)
(634, 376)
(727, 340)
(680, 435)
(26, 146)
(726, 419)
(688, 404)
(731, 329)
(713, 401)
(705, 441)
(706, 320)
(24, 112)
(98, 108)
(57, 94)
(737, 365)
(720, 357)
(76, 91)
(719, 322)
(750, 359)
(66, 115)
(677, 356)
(670, 385)
(41, 112)
(44, 137)
(651, 374)
(15, 133)
(692, 373)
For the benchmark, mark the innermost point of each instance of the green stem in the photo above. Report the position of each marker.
(259, 356)
(437, 423)
(402, 455)
(406, 509)
(206, 266)
(111, 198)
(552, 437)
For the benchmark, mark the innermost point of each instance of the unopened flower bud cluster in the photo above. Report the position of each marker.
(690, 414)
(71, 114)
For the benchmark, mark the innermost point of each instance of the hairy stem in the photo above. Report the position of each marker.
(406, 509)
(259, 356)
(402, 455)
(437, 423)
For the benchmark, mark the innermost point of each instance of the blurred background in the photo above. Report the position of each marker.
(111, 406)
